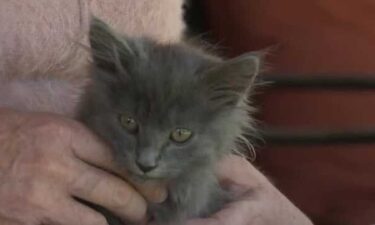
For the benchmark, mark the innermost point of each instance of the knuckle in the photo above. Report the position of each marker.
(52, 169)
(51, 127)
(59, 130)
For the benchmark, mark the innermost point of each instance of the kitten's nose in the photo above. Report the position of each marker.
(147, 159)
(146, 167)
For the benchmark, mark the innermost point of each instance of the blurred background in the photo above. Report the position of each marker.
(317, 114)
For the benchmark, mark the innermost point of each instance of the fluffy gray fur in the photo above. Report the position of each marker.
(164, 87)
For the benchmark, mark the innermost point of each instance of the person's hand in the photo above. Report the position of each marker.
(259, 203)
(46, 161)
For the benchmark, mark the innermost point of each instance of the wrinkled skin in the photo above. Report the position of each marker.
(46, 160)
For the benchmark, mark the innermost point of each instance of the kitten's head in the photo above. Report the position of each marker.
(165, 109)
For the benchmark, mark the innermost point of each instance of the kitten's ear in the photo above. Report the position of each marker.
(229, 82)
(109, 51)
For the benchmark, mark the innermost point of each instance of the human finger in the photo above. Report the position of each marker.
(104, 189)
(71, 212)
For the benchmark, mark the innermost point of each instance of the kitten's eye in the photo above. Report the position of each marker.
(181, 135)
(128, 123)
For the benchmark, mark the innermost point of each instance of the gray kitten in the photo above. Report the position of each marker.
(169, 112)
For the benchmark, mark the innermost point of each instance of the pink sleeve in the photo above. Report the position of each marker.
(39, 37)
